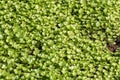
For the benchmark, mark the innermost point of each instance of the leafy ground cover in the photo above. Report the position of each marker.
(59, 39)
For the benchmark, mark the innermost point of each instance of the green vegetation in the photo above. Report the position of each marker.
(58, 39)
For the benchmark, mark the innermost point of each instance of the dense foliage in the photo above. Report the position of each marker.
(58, 39)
